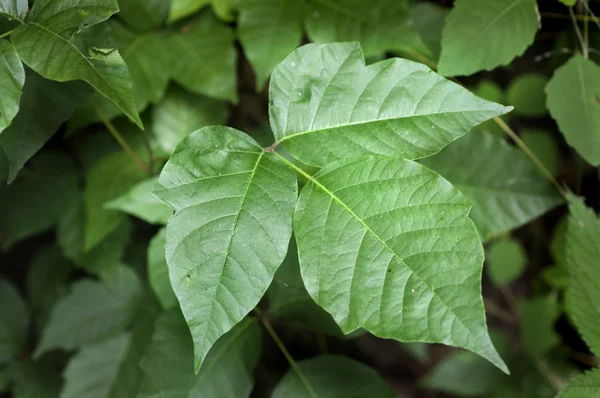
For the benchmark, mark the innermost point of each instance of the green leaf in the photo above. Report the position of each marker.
(47, 281)
(109, 178)
(140, 202)
(158, 272)
(429, 20)
(526, 94)
(544, 146)
(467, 375)
(290, 303)
(505, 197)
(182, 8)
(506, 261)
(12, 78)
(538, 316)
(574, 102)
(473, 25)
(269, 30)
(379, 25)
(331, 376)
(583, 252)
(44, 45)
(14, 321)
(37, 379)
(226, 372)
(144, 14)
(584, 386)
(35, 203)
(180, 113)
(569, 3)
(205, 57)
(92, 312)
(14, 8)
(47, 104)
(233, 213)
(325, 104)
(404, 263)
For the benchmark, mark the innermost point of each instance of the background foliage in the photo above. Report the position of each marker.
(321, 242)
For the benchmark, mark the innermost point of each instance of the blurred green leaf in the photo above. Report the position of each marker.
(14, 322)
(330, 376)
(158, 271)
(545, 147)
(143, 15)
(538, 316)
(37, 379)
(140, 202)
(490, 91)
(429, 21)
(526, 94)
(183, 8)
(506, 261)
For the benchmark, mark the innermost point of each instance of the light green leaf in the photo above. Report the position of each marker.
(574, 102)
(404, 263)
(325, 104)
(180, 113)
(226, 372)
(12, 78)
(269, 30)
(140, 202)
(144, 14)
(584, 386)
(205, 57)
(538, 316)
(230, 231)
(569, 3)
(379, 25)
(44, 45)
(92, 312)
(331, 376)
(47, 281)
(557, 277)
(14, 322)
(182, 8)
(429, 21)
(467, 375)
(506, 261)
(505, 197)
(158, 272)
(290, 303)
(47, 104)
(14, 8)
(526, 94)
(583, 252)
(109, 178)
(473, 25)
(544, 146)
(35, 203)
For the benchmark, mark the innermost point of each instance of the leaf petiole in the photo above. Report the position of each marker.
(5, 34)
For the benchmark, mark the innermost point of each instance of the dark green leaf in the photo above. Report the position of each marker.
(204, 57)
(143, 14)
(140, 202)
(44, 45)
(505, 197)
(39, 379)
(47, 104)
(230, 231)
(14, 322)
(526, 94)
(269, 30)
(538, 316)
(429, 20)
(325, 104)
(181, 113)
(92, 312)
(182, 8)
(36, 202)
(332, 376)
(506, 261)
(158, 272)
(574, 102)
(583, 252)
(227, 371)
(12, 78)
(404, 263)
(544, 146)
(482, 35)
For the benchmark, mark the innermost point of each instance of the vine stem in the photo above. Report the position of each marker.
(285, 352)
(578, 33)
(5, 34)
(531, 155)
(119, 138)
(498, 312)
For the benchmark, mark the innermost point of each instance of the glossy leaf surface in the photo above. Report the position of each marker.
(12, 78)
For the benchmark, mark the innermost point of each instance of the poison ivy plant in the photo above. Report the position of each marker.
(537, 326)
(526, 94)
(586, 385)
(472, 25)
(233, 205)
(139, 202)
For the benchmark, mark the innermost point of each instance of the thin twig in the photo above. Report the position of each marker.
(562, 16)
(592, 15)
(531, 155)
(578, 33)
(556, 382)
(3, 35)
(498, 312)
(584, 358)
(511, 300)
(285, 352)
(117, 136)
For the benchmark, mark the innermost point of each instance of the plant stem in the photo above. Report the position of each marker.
(285, 352)
(498, 312)
(117, 136)
(561, 16)
(3, 35)
(531, 155)
(578, 33)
